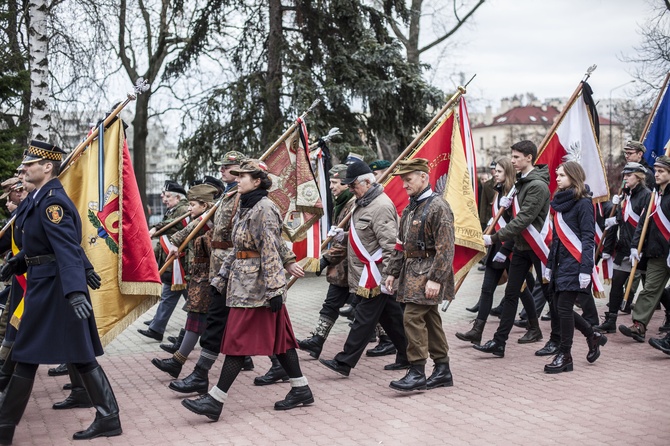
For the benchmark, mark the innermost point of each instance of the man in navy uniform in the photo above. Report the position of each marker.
(58, 325)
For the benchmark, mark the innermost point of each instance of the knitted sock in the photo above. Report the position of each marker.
(179, 357)
(218, 394)
(207, 359)
(298, 382)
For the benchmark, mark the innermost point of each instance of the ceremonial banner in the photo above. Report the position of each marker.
(658, 136)
(575, 139)
(449, 176)
(102, 185)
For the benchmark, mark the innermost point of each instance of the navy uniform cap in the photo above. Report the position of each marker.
(173, 186)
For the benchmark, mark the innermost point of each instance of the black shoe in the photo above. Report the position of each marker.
(550, 348)
(415, 379)
(561, 363)
(474, 309)
(662, 344)
(609, 326)
(76, 399)
(398, 365)
(594, 343)
(170, 348)
(385, 347)
(170, 366)
(248, 364)
(491, 347)
(175, 343)
(204, 405)
(196, 382)
(665, 328)
(297, 396)
(67, 386)
(58, 371)
(348, 312)
(106, 423)
(481, 268)
(336, 366)
(521, 323)
(312, 345)
(275, 374)
(496, 311)
(441, 376)
(149, 333)
(546, 317)
(149, 323)
(533, 334)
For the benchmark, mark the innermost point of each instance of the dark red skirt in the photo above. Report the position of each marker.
(258, 332)
(196, 322)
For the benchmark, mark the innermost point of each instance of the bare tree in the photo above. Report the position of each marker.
(40, 116)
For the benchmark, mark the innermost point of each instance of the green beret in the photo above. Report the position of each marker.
(380, 165)
(412, 165)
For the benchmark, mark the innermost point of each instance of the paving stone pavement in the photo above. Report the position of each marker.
(623, 398)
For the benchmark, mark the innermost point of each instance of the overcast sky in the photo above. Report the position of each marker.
(543, 47)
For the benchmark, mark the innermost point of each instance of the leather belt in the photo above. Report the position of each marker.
(40, 260)
(419, 254)
(247, 254)
(222, 245)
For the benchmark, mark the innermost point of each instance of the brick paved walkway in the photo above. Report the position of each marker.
(623, 398)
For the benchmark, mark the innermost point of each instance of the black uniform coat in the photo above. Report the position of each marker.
(16, 292)
(50, 332)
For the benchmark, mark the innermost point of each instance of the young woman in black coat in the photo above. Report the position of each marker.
(570, 262)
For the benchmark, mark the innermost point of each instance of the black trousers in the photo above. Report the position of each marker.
(570, 320)
(383, 309)
(490, 283)
(336, 297)
(521, 263)
(217, 316)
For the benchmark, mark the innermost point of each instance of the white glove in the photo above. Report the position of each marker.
(547, 274)
(490, 222)
(616, 200)
(499, 257)
(505, 202)
(606, 256)
(634, 257)
(610, 221)
(487, 240)
(336, 233)
(584, 280)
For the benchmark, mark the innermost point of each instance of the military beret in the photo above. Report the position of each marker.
(634, 167)
(662, 161)
(379, 165)
(250, 165)
(355, 170)
(232, 157)
(202, 192)
(353, 157)
(635, 145)
(39, 150)
(173, 186)
(338, 171)
(412, 165)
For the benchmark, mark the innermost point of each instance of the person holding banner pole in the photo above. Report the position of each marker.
(655, 248)
(570, 265)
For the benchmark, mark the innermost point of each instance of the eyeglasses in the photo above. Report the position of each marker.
(628, 153)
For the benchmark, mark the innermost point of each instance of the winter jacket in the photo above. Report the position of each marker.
(655, 244)
(638, 199)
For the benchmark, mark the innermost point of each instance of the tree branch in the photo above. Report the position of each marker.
(455, 28)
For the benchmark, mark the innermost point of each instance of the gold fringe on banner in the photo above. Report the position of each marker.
(128, 319)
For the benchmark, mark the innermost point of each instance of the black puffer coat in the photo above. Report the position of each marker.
(655, 244)
(638, 199)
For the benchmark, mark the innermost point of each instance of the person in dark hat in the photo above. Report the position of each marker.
(210, 180)
(58, 325)
(421, 269)
(634, 151)
(379, 168)
(353, 158)
(372, 235)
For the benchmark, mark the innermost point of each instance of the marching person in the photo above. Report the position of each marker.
(570, 262)
(422, 264)
(655, 249)
(634, 151)
(372, 234)
(253, 275)
(58, 325)
(531, 206)
(621, 230)
(174, 197)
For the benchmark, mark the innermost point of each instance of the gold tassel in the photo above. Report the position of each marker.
(128, 319)
(599, 295)
(178, 287)
(366, 293)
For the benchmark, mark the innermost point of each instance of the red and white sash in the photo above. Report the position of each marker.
(661, 220)
(574, 246)
(501, 223)
(178, 275)
(371, 277)
(629, 215)
(539, 241)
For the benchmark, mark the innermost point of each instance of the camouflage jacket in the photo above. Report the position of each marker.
(413, 273)
(223, 228)
(176, 211)
(188, 254)
(338, 269)
(252, 282)
(199, 297)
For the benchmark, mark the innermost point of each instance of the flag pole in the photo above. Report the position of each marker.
(289, 131)
(640, 244)
(599, 248)
(174, 222)
(650, 119)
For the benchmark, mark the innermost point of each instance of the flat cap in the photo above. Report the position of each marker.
(232, 157)
(355, 170)
(202, 192)
(250, 165)
(632, 167)
(662, 161)
(635, 145)
(338, 171)
(412, 165)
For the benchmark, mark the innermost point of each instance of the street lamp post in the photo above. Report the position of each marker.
(610, 119)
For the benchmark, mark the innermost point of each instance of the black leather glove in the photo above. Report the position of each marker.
(93, 280)
(276, 303)
(15, 265)
(323, 264)
(81, 306)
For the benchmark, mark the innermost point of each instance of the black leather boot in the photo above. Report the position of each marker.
(196, 382)
(441, 376)
(205, 405)
(248, 364)
(297, 396)
(171, 348)
(550, 348)
(609, 326)
(170, 366)
(491, 347)
(58, 371)
(78, 396)
(473, 335)
(13, 406)
(312, 345)
(6, 372)
(415, 379)
(106, 423)
(275, 374)
(561, 363)
(475, 308)
(385, 347)
(595, 342)
(533, 334)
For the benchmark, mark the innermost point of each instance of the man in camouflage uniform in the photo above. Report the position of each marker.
(174, 197)
(423, 264)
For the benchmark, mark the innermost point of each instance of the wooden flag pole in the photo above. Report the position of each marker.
(162, 230)
(288, 132)
(640, 244)
(599, 248)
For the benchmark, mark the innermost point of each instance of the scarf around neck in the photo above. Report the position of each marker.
(375, 190)
(340, 201)
(250, 199)
(419, 198)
